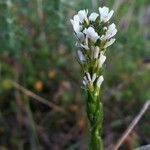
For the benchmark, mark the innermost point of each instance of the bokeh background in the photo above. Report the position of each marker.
(42, 104)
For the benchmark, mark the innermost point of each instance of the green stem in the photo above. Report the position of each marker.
(95, 116)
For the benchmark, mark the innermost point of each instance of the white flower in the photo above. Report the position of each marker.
(111, 31)
(109, 42)
(82, 15)
(91, 34)
(99, 81)
(81, 56)
(75, 23)
(77, 27)
(105, 15)
(93, 16)
(101, 60)
(95, 52)
(88, 80)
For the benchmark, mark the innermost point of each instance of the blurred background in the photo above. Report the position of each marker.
(42, 104)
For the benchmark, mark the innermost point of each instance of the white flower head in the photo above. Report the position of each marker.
(91, 34)
(81, 56)
(105, 15)
(91, 43)
(93, 16)
(99, 81)
(101, 60)
(82, 15)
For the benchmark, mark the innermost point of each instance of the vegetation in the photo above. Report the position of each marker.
(36, 46)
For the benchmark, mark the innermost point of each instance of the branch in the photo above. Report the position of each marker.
(37, 97)
(132, 125)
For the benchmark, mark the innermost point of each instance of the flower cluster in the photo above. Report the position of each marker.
(94, 34)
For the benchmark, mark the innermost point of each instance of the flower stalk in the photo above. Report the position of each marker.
(94, 34)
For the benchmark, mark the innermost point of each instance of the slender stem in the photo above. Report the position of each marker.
(95, 116)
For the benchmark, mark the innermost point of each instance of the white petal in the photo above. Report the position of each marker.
(103, 10)
(105, 15)
(84, 83)
(110, 32)
(81, 56)
(91, 34)
(93, 77)
(77, 44)
(112, 26)
(109, 42)
(72, 21)
(85, 43)
(76, 18)
(76, 28)
(99, 81)
(75, 23)
(102, 59)
(88, 76)
(82, 15)
(93, 16)
(110, 14)
(84, 46)
(95, 52)
(85, 80)
(81, 36)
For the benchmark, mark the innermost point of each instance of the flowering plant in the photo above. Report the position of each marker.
(94, 34)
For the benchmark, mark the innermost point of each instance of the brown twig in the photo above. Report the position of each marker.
(132, 125)
(37, 97)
